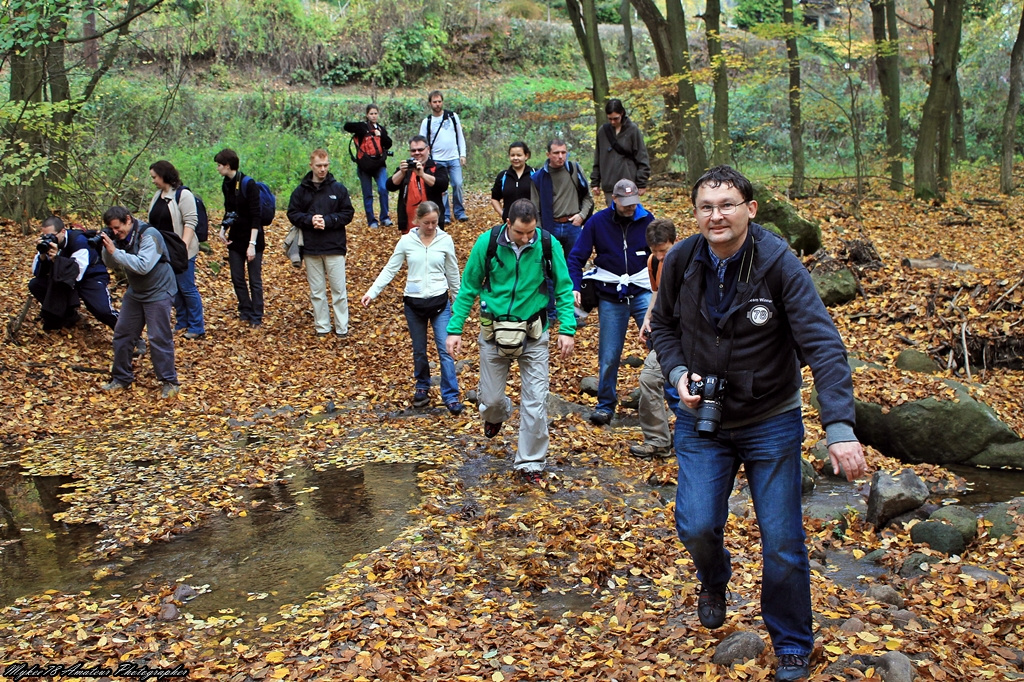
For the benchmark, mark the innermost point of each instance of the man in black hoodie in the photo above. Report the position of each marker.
(321, 208)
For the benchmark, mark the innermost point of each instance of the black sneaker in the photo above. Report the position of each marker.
(421, 398)
(792, 667)
(600, 418)
(492, 429)
(455, 407)
(711, 608)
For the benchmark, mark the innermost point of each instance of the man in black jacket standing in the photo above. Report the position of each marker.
(321, 208)
(242, 233)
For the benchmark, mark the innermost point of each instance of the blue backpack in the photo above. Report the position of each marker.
(203, 225)
(268, 202)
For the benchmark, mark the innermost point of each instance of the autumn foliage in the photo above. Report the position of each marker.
(583, 580)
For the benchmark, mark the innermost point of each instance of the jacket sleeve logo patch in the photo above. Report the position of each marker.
(759, 315)
(334, 197)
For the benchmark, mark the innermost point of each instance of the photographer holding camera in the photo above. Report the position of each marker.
(67, 270)
(417, 179)
(736, 315)
(139, 249)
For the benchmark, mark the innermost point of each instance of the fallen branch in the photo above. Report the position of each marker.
(14, 326)
(967, 360)
(999, 301)
(936, 262)
(76, 368)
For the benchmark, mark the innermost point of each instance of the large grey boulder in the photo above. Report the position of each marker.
(737, 648)
(916, 564)
(1006, 518)
(560, 407)
(942, 537)
(588, 385)
(891, 495)
(885, 594)
(940, 431)
(961, 518)
(802, 235)
(835, 288)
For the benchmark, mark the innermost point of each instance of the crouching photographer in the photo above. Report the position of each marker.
(67, 271)
(736, 314)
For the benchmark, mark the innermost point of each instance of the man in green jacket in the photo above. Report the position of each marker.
(510, 283)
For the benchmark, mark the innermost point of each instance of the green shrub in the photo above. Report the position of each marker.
(524, 9)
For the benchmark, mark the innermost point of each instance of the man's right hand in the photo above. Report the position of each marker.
(690, 400)
(53, 251)
(577, 297)
(645, 330)
(453, 344)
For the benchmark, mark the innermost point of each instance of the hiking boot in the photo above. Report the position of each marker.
(600, 418)
(491, 429)
(648, 451)
(387, 222)
(792, 667)
(711, 609)
(530, 477)
(169, 390)
(113, 385)
(193, 335)
(421, 398)
(374, 225)
(455, 407)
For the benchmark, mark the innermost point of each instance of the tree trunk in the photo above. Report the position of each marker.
(1010, 115)
(722, 148)
(626, 16)
(796, 125)
(887, 56)
(959, 131)
(662, 152)
(693, 140)
(944, 156)
(948, 18)
(25, 200)
(92, 50)
(583, 15)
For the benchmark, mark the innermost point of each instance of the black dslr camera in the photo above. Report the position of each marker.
(711, 390)
(411, 165)
(43, 246)
(96, 240)
(229, 219)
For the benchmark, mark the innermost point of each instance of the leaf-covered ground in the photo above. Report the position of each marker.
(492, 581)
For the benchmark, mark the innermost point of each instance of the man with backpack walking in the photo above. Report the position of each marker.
(508, 269)
(242, 232)
(372, 145)
(447, 142)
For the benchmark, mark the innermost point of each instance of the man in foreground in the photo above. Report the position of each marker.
(736, 315)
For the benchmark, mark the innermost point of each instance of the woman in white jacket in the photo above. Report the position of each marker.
(431, 285)
(174, 208)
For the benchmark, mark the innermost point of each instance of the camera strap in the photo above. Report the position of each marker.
(743, 276)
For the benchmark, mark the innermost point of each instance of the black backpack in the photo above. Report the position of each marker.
(176, 251)
(446, 115)
(492, 251)
(203, 224)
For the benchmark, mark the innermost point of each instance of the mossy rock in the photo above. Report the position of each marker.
(803, 235)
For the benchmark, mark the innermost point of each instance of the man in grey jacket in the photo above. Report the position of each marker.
(139, 249)
(736, 315)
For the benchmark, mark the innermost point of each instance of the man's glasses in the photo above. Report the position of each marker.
(417, 150)
(708, 210)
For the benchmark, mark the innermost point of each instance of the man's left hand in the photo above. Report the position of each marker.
(850, 456)
(565, 346)
(577, 219)
(53, 251)
(641, 191)
(462, 161)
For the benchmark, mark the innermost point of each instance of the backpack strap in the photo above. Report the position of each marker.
(446, 115)
(549, 268)
(619, 149)
(492, 251)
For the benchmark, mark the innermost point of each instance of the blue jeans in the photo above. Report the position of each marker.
(188, 306)
(454, 168)
(566, 234)
(770, 454)
(421, 365)
(614, 324)
(367, 182)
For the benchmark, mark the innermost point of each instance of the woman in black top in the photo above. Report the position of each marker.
(513, 183)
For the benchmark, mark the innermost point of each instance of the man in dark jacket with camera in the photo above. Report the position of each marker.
(417, 179)
(242, 232)
(736, 314)
(67, 269)
(321, 208)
